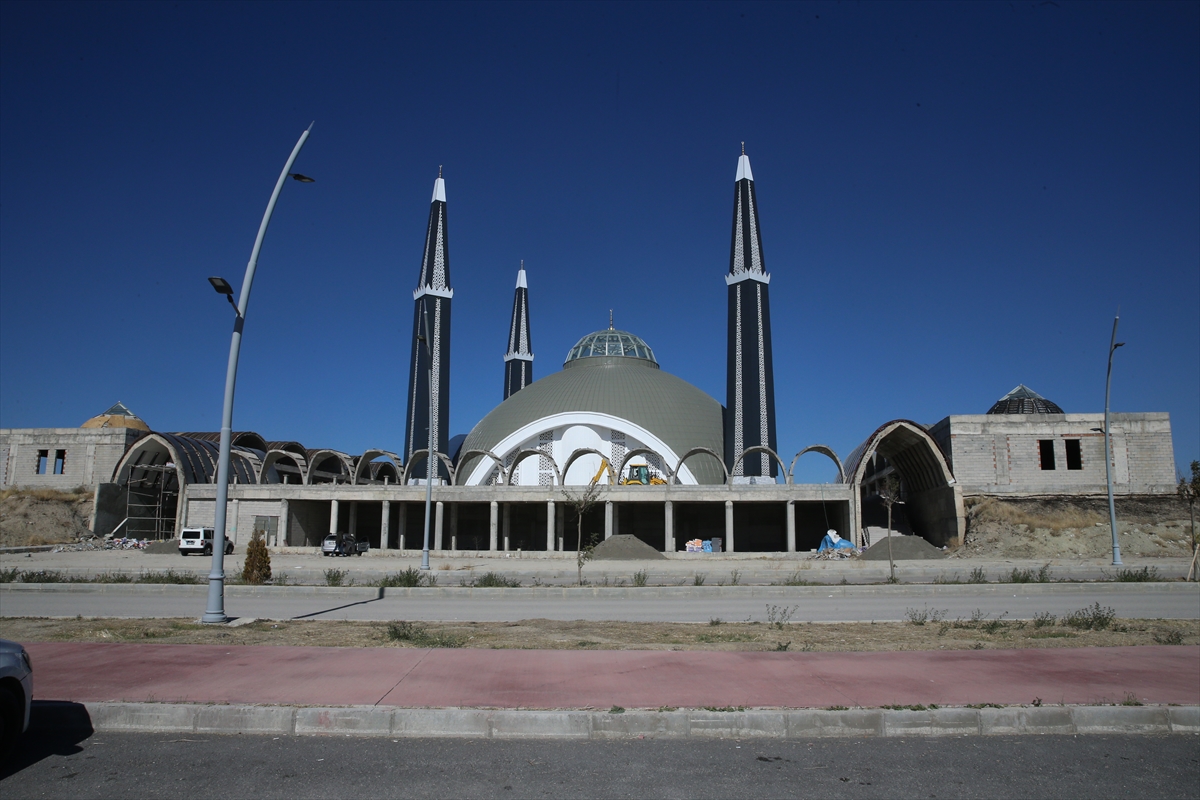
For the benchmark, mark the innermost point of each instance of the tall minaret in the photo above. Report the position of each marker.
(518, 361)
(750, 378)
(432, 296)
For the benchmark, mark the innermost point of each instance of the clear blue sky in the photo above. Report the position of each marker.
(955, 198)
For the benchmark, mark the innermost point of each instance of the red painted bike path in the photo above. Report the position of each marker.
(412, 678)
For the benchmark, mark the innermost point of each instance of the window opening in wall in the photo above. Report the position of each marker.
(42, 457)
(1074, 454)
(60, 462)
(1046, 452)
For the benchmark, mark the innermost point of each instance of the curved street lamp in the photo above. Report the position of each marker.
(1112, 508)
(215, 610)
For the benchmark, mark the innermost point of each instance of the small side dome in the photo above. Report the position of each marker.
(1023, 400)
(117, 417)
(611, 343)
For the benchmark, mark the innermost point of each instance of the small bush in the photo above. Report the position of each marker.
(171, 576)
(336, 577)
(1143, 575)
(1091, 618)
(782, 647)
(616, 710)
(639, 577)
(796, 579)
(698, 579)
(715, 621)
(1043, 619)
(1170, 637)
(1131, 700)
(780, 615)
(44, 576)
(493, 580)
(977, 576)
(9, 575)
(257, 569)
(735, 577)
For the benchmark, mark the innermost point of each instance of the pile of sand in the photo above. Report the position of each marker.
(624, 547)
(904, 548)
(31, 517)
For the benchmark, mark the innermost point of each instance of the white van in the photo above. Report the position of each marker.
(200, 540)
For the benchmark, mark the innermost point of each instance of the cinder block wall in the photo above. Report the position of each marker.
(91, 456)
(1001, 453)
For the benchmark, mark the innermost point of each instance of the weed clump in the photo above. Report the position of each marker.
(1030, 576)
(494, 580)
(336, 577)
(1143, 575)
(419, 635)
(1091, 618)
(639, 577)
(921, 616)
(407, 579)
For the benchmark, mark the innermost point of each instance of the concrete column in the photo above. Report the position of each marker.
(549, 526)
(560, 523)
(385, 526)
(507, 524)
(616, 526)
(454, 526)
(492, 525)
(669, 527)
(354, 518)
(401, 524)
(285, 518)
(791, 526)
(728, 526)
(439, 514)
(608, 519)
(333, 516)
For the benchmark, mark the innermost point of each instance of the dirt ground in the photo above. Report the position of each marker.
(541, 634)
(31, 517)
(1050, 528)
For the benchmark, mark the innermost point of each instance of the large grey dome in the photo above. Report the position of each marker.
(634, 389)
(1023, 400)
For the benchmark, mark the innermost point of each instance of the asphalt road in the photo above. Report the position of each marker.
(817, 604)
(186, 766)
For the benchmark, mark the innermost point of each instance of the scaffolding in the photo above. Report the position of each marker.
(151, 502)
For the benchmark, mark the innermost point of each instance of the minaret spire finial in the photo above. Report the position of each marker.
(610, 325)
(743, 151)
(440, 166)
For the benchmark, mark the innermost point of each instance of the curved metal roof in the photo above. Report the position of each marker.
(633, 389)
(1023, 400)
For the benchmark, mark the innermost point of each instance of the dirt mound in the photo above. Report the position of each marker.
(31, 517)
(624, 547)
(1048, 528)
(904, 548)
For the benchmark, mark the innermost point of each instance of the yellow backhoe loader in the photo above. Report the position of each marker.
(642, 475)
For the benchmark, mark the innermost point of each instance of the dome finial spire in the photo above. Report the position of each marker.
(610, 325)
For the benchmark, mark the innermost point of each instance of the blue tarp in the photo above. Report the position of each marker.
(828, 544)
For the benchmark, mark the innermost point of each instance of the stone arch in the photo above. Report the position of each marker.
(521, 455)
(275, 458)
(333, 463)
(465, 458)
(933, 497)
(420, 455)
(648, 451)
(758, 448)
(585, 451)
(695, 451)
(363, 468)
(823, 450)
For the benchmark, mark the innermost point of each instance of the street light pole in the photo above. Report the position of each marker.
(215, 610)
(429, 453)
(1112, 508)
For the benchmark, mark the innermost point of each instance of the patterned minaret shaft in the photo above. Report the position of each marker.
(432, 300)
(750, 380)
(518, 361)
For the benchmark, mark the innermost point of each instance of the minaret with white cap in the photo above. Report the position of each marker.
(518, 361)
(750, 380)
(432, 295)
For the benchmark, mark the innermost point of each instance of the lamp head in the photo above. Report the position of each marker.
(222, 286)
(296, 176)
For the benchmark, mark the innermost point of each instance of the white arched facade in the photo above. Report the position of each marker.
(560, 435)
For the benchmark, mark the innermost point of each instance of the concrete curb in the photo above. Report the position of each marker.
(641, 593)
(588, 724)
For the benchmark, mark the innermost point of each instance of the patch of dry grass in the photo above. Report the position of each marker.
(542, 634)
(990, 509)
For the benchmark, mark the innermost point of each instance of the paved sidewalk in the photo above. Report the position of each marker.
(554, 679)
